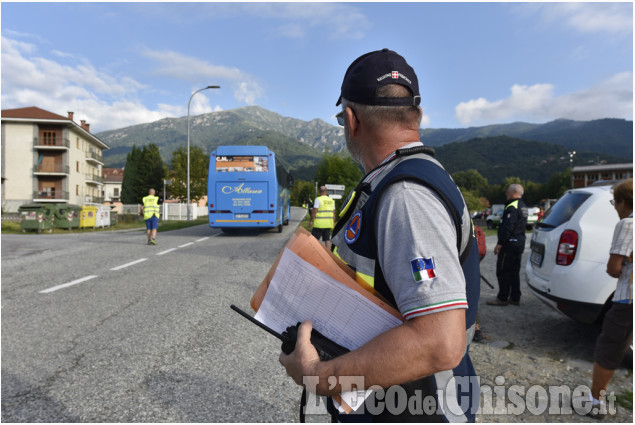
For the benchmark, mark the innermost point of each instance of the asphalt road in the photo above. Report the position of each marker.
(100, 327)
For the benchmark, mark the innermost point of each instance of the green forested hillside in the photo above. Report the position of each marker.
(610, 136)
(496, 158)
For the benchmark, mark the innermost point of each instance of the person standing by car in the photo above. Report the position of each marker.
(617, 328)
(323, 217)
(150, 210)
(510, 247)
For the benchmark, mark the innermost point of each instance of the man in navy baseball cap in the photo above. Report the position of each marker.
(405, 231)
(374, 70)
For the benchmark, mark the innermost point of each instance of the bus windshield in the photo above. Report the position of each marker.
(242, 163)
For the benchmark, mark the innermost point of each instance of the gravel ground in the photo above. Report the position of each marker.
(533, 345)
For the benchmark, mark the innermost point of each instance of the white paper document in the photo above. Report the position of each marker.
(299, 291)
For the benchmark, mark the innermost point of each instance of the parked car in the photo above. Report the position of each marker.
(494, 220)
(569, 252)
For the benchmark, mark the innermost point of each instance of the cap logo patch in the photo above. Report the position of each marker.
(395, 75)
(353, 229)
(423, 269)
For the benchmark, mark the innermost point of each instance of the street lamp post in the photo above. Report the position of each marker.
(188, 146)
(571, 154)
(165, 182)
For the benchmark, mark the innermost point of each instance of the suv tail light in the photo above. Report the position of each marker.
(567, 248)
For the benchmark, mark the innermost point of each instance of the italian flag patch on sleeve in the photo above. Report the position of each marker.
(423, 269)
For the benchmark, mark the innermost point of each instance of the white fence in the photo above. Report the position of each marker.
(169, 211)
(179, 211)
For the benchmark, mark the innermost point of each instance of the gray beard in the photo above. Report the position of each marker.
(353, 149)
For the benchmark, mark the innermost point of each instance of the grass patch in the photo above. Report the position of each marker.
(305, 222)
(625, 400)
(14, 227)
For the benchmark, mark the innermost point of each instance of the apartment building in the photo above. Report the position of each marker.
(48, 157)
(586, 175)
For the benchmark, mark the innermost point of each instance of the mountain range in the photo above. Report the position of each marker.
(535, 150)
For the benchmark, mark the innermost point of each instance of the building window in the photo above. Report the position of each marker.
(77, 166)
(48, 138)
(77, 142)
(77, 190)
(116, 192)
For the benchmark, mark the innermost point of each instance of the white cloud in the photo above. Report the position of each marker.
(339, 21)
(103, 100)
(601, 17)
(178, 66)
(612, 98)
(287, 19)
(425, 121)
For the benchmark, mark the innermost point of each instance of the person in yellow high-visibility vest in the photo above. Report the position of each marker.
(150, 210)
(323, 217)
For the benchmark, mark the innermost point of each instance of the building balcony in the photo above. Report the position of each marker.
(57, 144)
(51, 170)
(94, 179)
(51, 196)
(90, 199)
(94, 157)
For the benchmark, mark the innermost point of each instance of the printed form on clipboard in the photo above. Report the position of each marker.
(342, 311)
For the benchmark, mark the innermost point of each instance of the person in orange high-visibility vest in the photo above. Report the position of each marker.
(323, 217)
(150, 210)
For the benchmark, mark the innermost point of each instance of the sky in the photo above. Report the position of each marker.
(478, 63)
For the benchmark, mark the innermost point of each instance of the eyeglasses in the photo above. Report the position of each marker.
(340, 117)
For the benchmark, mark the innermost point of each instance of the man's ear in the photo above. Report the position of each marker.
(353, 124)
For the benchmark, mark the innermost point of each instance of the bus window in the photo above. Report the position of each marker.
(240, 163)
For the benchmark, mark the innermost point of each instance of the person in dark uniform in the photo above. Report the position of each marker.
(510, 247)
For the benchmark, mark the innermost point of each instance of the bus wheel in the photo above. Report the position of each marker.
(279, 228)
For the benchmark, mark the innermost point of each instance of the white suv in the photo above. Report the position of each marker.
(569, 251)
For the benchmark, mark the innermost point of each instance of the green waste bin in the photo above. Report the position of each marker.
(113, 218)
(67, 216)
(88, 217)
(37, 217)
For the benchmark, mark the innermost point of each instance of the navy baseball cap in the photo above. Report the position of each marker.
(375, 69)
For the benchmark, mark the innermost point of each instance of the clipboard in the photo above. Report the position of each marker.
(315, 253)
(303, 245)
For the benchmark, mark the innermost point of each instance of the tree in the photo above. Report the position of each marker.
(557, 185)
(131, 180)
(151, 168)
(338, 169)
(144, 170)
(472, 200)
(199, 167)
(470, 180)
(301, 191)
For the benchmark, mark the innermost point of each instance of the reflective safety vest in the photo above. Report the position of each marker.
(150, 206)
(354, 242)
(324, 216)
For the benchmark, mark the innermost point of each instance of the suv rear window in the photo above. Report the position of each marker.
(563, 210)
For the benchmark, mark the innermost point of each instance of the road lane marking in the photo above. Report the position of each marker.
(129, 264)
(166, 251)
(66, 285)
(84, 279)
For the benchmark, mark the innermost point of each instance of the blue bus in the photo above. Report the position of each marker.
(247, 188)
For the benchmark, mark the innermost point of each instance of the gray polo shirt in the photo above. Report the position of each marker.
(416, 241)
